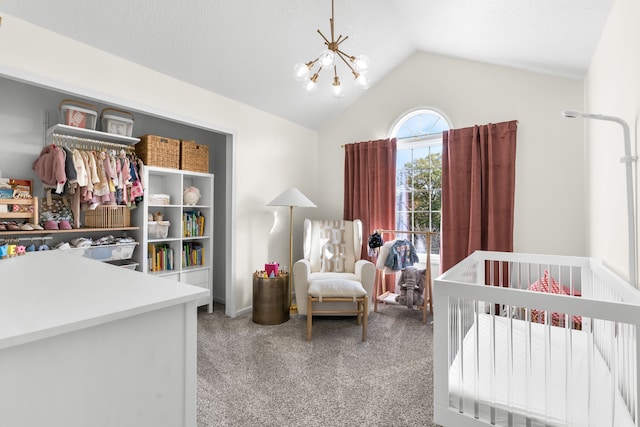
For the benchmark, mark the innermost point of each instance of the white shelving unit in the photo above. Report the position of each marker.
(172, 182)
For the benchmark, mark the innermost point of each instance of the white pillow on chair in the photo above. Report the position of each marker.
(341, 288)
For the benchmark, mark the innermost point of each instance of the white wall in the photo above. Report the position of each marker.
(270, 154)
(612, 88)
(549, 170)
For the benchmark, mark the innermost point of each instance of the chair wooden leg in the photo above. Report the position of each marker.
(377, 288)
(365, 317)
(362, 312)
(309, 316)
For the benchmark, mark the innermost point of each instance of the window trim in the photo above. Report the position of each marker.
(393, 130)
(418, 142)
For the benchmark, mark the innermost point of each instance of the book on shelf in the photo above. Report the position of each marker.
(192, 224)
(193, 254)
(160, 257)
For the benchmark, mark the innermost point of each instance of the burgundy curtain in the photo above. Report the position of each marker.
(478, 185)
(370, 185)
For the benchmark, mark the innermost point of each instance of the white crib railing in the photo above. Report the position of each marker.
(505, 355)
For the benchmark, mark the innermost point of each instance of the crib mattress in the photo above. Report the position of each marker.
(556, 390)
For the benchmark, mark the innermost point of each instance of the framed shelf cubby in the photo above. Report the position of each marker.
(171, 251)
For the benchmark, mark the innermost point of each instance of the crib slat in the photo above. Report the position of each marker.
(590, 355)
(461, 353)
(492, 361)
(476, 362)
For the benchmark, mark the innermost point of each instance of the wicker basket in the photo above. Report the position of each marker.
(194, 157)
(108, 217)
(159, 151)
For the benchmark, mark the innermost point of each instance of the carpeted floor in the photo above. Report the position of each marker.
(257, 375)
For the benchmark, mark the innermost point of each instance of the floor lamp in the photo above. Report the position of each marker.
(291, 197)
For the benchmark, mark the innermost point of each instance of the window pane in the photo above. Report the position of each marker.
(419, 176)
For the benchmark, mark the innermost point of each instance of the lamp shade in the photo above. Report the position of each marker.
(292, 197)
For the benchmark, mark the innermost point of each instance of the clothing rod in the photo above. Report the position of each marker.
(25, 239)
(87, 143)
(406, 232)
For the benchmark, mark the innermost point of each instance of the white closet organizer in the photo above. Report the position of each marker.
(88, 139)
(73, 137)
(167, 256)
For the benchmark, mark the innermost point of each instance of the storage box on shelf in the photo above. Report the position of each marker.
(158, 229)
(194, 157)
(119, 251)
(159, 151)
(108, 217)
(159, 199)
(78, 114)
(116, 121)
(172, 251)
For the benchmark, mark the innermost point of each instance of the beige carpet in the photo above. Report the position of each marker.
(257, 375)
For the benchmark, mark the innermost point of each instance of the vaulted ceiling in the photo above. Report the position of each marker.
(246, 49)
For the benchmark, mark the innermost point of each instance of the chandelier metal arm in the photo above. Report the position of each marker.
(342, 55)
(326, 41)
(351, 58)
(340, 39)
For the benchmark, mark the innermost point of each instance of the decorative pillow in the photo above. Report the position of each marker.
(557, 319)
(542, 285)
(333, 251)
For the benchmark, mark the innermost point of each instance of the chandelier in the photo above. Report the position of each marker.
(358, 65)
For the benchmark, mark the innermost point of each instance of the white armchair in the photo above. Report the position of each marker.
(332, 257)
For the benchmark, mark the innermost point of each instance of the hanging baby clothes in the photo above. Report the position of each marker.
(50, 167)
(100, 176)
(402, 254)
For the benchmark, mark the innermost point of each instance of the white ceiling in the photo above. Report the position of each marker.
(246, 49)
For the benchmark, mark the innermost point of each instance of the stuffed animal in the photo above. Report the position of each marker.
(411, 287)
(191, 195)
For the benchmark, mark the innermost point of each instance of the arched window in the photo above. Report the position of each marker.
(419, 174)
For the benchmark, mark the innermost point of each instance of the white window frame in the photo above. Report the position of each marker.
(428, 140)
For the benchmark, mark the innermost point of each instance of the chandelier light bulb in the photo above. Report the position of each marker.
(327, 59)
(361, 63)
(310, 86)
(301, 72)
(338, 92)
(363, 81)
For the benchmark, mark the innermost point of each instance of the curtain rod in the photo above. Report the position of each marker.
(422, 135)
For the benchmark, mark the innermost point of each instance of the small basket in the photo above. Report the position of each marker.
(159, 199)
(194, 157)
(158, 229)
(108, 217)
(159, 151)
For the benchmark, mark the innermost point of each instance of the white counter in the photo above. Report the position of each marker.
(86, 343)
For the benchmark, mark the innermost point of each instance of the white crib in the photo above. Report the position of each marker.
(506, 355)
